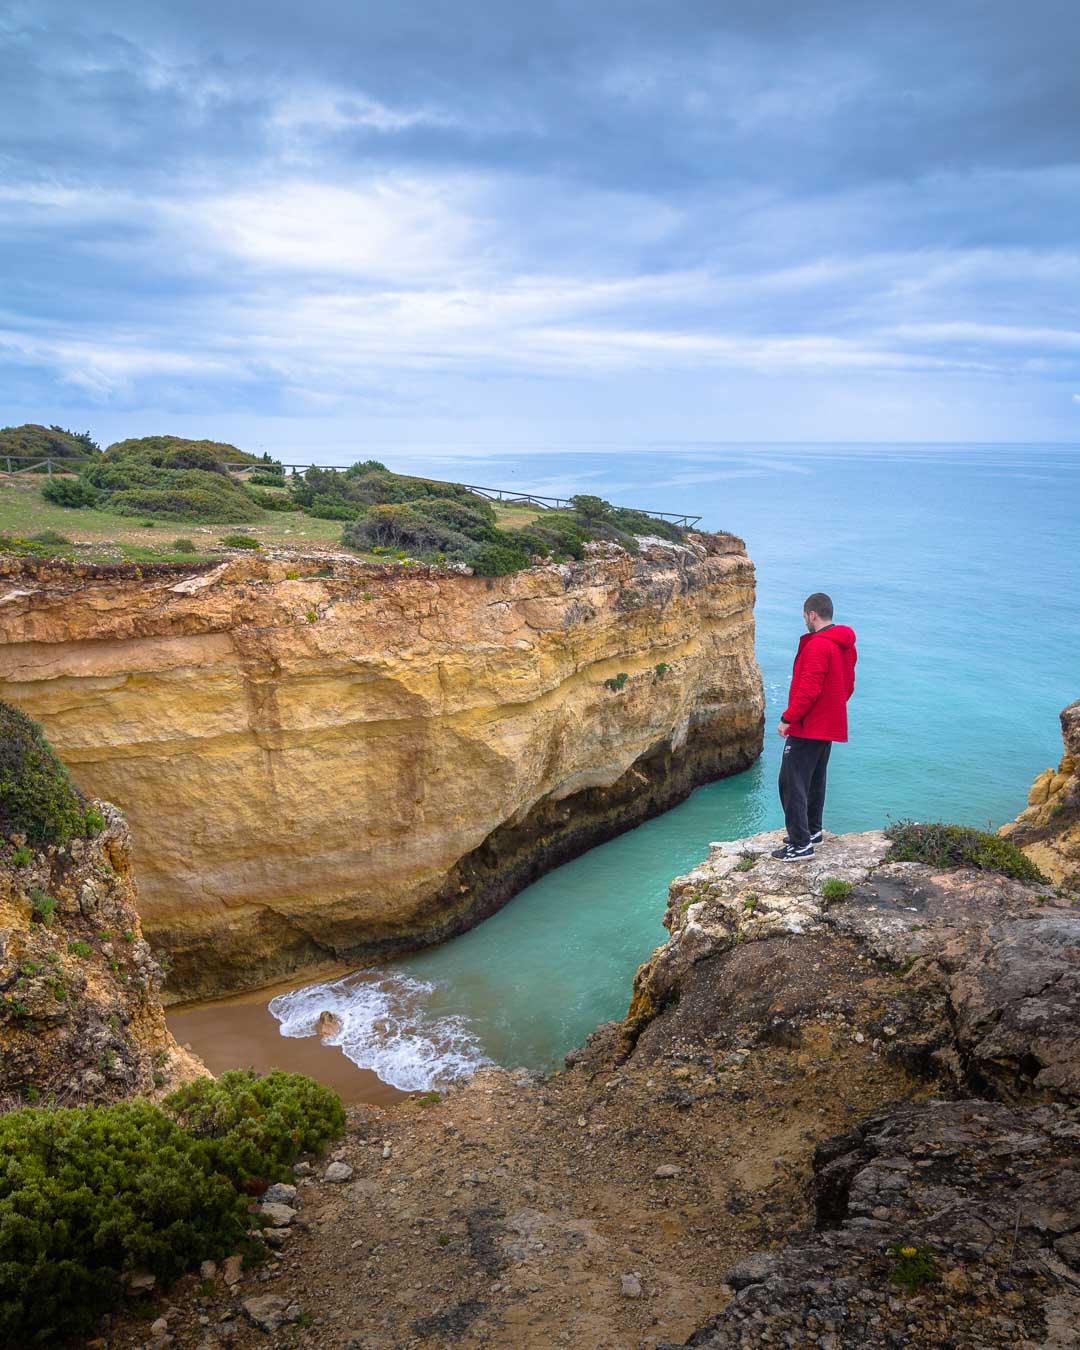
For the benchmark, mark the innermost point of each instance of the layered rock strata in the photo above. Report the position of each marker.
(965, 979)
(1048, 829)
(81, 1018)
(343, 761)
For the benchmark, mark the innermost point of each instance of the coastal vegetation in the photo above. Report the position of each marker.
(37, 797)
(942, 845)
(92, 1195)
(38, 442)
(366, 508)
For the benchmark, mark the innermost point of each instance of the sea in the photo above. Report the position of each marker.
(958, 566)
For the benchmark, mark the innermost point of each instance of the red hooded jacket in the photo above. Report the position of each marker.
(822, 681)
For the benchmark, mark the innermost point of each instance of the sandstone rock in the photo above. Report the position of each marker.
(280, 1216)
(280, 1193)
(268, 1312)
(1048, 830)
(232, 1269)
(81, 1016)
(631, 1286)
(463, 721)
(159, 1327)
(666, 1170)
(208, 1270)
(338, 1172)
(141, 1282)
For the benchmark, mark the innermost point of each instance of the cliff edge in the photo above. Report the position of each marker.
(334, 761)
(1048, 830)
(81, 1018)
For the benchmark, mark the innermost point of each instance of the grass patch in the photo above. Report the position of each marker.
(746, 863)
(942, 845)
(835, 889)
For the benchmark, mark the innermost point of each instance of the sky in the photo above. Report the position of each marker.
(347, 224)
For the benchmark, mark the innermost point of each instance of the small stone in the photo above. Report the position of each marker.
(276, 1237)
(280, 1216)
(858, 1038)
(386, 1150)
(582, 1121)
(265, 1311)
(141, 1282)
(666, 1170)
(341, 1171)
(232, 1269)
(208, 1270)
(159, 1327)
(631, 1286)
(279, 1194)
(302, 1169)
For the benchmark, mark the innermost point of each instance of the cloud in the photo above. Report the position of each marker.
(391, 208)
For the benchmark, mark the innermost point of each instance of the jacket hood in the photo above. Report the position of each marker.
(839, 633)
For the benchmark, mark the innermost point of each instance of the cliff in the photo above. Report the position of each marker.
(1048, 830)
(337, 762)
(81, 1018)
(841, 1118)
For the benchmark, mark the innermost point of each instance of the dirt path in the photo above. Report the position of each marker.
(529, 1214)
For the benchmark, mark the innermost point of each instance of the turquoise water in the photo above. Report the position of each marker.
(959, 570)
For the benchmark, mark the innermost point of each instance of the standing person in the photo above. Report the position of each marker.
(822, 681)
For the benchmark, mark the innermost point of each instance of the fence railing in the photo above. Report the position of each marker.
(28, 463)
(31, 463)
(541, 502)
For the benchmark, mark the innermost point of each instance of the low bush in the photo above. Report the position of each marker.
(835, 889)
(71, 492)
(257, 1127)
(51, 538)
(37, 797)
(240, 541)
(275, 501)
(179, 503)
(267, 478)
(943, 845)
(331, 510)
(183, 545)
(91, 1194)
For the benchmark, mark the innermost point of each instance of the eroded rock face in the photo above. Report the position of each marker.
(339, 766)
(1048, 829)
(962, 977)
(80, 991)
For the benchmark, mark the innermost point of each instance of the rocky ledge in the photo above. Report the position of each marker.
(81, 1018)
(970, 982)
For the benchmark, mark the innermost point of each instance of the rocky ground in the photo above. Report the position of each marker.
(834, 1117)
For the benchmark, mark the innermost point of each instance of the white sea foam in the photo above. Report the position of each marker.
(385, 1026)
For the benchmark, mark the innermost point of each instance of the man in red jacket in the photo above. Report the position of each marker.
(822, 681)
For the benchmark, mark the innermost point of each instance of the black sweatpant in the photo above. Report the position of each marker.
(802, 786)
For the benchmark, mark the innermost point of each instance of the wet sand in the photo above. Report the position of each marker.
(239, 1033)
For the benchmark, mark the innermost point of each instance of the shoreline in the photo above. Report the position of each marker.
(249, 1037)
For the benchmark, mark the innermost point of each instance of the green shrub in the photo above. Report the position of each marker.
(22, 856)
(178, 503)
(498, 560)
(914, 1267)
(72, 492)
(331, 510)
(617, 682)
(590, 509)
(91, 1194)
(42, 906)
(36, 794)
(942, 845)
(257, 1127)
(274, 501)
(183, 545)
(50, 537)
(746, 862)
(835, 889)
(267, 478)
(240, 541)
(82, 949)
(94, 821)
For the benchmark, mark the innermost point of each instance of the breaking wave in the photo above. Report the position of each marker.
(385, 1024)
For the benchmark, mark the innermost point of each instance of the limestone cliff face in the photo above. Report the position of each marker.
(80, 991)
(1048, 830)
(337, 766)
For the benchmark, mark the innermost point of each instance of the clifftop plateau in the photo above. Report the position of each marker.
(336, 761)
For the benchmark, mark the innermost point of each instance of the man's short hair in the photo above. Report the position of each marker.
(820, 603)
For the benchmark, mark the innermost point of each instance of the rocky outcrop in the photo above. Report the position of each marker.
(338, 761)
(81, 1018)
(1048, 830)
(965, 979)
